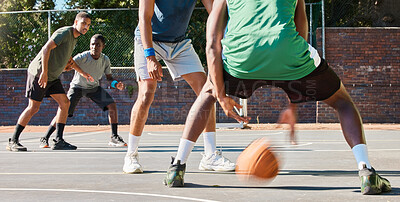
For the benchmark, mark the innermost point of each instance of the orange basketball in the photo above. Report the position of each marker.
(257, 161)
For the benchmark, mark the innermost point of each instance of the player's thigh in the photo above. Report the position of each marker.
(196, 80)
(140, 60)
(74, 95)
(61, 99)
(319, 85)
(184, 60)
(33, 90)
(101, 97)
(340, 98)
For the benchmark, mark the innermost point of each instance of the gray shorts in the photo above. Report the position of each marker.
(97, 95)
(180, 58)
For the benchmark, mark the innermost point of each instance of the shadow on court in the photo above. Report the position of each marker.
(320, 168)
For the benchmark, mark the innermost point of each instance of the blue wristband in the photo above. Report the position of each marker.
(114, 83)
(149, 52)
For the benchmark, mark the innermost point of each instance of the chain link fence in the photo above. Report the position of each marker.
(22, 34)
(362, 13)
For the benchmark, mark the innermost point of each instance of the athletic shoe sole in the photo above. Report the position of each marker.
(63, 149)
(202, 168)
(137, 171)
(117, 145)
(45, 146)
(15, 150)
(175, 183)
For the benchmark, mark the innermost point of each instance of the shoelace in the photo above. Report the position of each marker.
(118, 138)
(219, 157)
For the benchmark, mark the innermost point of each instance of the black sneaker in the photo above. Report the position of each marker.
(62, 145)
(372, 183)
(15, 146)
(44, 143)
(117, 141)
(175, 174)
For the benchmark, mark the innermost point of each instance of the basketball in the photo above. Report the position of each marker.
(257, 162)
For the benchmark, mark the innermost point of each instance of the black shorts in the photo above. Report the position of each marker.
(320, 84)
(97, 95)
(37, 93)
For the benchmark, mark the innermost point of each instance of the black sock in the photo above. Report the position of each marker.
(114, 129)
(60, 131)
(17, 132)
(50, 131)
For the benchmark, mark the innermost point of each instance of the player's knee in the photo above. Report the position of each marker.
(343, 105)
(64, 105)
(146, 99)
(33, 109)
(112, 107)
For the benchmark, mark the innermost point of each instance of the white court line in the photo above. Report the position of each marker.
(119, 173)
(74, 135)
(218, 134)
(107, 192)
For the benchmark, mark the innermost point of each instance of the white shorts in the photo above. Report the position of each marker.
(180, 58)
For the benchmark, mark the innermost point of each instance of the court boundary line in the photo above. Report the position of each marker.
(107, 192)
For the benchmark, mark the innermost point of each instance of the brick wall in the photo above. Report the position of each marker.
(368, 62)
(366, 59)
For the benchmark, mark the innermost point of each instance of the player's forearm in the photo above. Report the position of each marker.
(45, 60)
(215, 32)
(215, 69)
(77, 68)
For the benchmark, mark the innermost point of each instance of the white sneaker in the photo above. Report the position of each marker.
(216, 162)
(131, 164)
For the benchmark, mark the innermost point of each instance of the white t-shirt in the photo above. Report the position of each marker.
(96, 68)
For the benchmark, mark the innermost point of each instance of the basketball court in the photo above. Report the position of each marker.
(320, 168)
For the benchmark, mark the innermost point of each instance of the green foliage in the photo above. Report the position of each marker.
(117, 27)
(23, 35)
(92, 4)
(196, 31)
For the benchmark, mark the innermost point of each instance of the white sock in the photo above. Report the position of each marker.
(361, 153)
(210, 145)
(185, 147)
(133, 144)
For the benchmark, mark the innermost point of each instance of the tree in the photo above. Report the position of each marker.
(362, 13)
(92, 4)
(22, 35)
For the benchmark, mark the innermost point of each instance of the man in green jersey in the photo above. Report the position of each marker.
(43, 81)
(251, 43)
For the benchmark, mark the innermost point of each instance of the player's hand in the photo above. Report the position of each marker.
(43, 80)
(120, 86)
(228, 105)
(68, 67)
(154, 68)
(87, 76)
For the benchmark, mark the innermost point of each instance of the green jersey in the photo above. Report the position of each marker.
(59, 56)
(261, 41)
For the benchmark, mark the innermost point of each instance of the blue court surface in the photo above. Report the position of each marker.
(320, 168)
